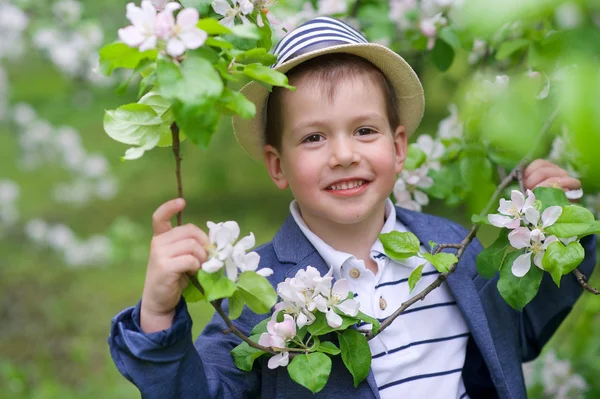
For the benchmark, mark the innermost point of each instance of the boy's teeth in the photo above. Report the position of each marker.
(347, 185)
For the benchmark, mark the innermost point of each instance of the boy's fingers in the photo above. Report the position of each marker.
(189, 246)
(188, 230)
(186, 264)
(161, 219)
(566, 183)
(543, 173)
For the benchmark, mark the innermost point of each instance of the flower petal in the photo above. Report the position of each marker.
(282, 359)
(188, 17)
(221, 7)
(517, 198)
(175, 47)
(532, 215)
(349, 307)
(551, 215)
(521, 265)
(231, 270)
(265, 340)
(265, 271)
(212, 265)
(251, 261)
(341, 288)
(500, 220)
(333, 319)
(193, 38)
(247, 242)
(131, 36)
(520, 238)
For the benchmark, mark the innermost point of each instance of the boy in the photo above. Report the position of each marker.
(338, 143)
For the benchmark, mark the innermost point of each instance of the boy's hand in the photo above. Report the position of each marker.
(174, 253)
(546, 174)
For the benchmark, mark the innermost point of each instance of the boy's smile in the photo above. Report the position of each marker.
(338, 154)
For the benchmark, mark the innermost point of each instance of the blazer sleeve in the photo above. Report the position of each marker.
(166, 364)
(542, 316)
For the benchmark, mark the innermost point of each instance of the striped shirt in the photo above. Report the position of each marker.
(422, 353)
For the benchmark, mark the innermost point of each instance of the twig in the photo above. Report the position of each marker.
(217, 303)
(583, 282)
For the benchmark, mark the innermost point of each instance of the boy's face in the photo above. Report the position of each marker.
(339, 157)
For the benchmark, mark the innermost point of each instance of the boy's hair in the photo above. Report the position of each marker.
(327, 71)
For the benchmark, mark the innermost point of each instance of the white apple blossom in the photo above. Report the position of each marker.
(244, 261)
(478, 51)
(433, 150)
(450, 127)
(180, 34)
(329, 7)
(398, 12)
(141, 33)
(407, 189)
(535, 243)
(429, 27)
(337, 299)
(263, 6)
(548, 217)
(222, 236)
(511, 212)
(160, 4)
(240, 9)
(277, 337)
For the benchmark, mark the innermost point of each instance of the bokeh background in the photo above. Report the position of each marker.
(75, 221)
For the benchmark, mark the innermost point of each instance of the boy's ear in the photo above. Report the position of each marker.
(400, 147)
(274, 167)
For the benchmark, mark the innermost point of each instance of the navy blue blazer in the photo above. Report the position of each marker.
(167, 364)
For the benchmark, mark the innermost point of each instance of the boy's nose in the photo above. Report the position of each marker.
(343, 153)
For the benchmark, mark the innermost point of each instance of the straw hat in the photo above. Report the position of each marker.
(320, 36)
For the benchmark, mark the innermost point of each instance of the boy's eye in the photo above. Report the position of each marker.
(313, 138)
(363, 131)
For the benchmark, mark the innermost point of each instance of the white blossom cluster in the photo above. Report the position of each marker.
(409, 187)
(531, 237)
(555, 376)
(304, 295)
(71, 43)
(95, 251)
(43, 144)
(13, 23)
(9, 213)
(224, 252)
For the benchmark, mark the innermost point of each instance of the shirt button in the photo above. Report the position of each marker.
(382, 303)
(354, 272)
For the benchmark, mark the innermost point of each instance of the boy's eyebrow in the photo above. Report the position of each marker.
(324, 122)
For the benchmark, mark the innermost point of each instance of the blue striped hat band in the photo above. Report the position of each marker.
(315, 34)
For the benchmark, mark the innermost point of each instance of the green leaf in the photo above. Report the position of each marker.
(265, 40)
(246, 31)
(196, 82)
(135, 124)
(414, 277)
(490, 259)
(574, 220)
(560, 260)
(257, 292)
(238, 103)
(216, 285)
(192, 294)
(400, 245)
(518, 291)
(442, 54)
(267, 75)
(159, 104)
(259, 55)
(432, 244)
(320, 326)
(328, 347)
(244, 355)
(508, 48)
(119, 55)
(236, 305)
(442, 261)
(311, 370)
(371, 320)
(197, 120)
(550, 197)
(260, 327)
(356, 354)
(450, 37)
(147, 83)
(212, 26)
(475, 168)
(414, 157)
(218, 42)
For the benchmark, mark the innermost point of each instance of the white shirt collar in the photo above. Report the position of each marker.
(334, 258)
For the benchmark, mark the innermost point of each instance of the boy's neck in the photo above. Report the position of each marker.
(356, 239)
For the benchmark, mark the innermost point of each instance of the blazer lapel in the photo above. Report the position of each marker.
(460, 282)
(293, 249)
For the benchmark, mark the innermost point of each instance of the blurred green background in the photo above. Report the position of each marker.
(55, 319)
